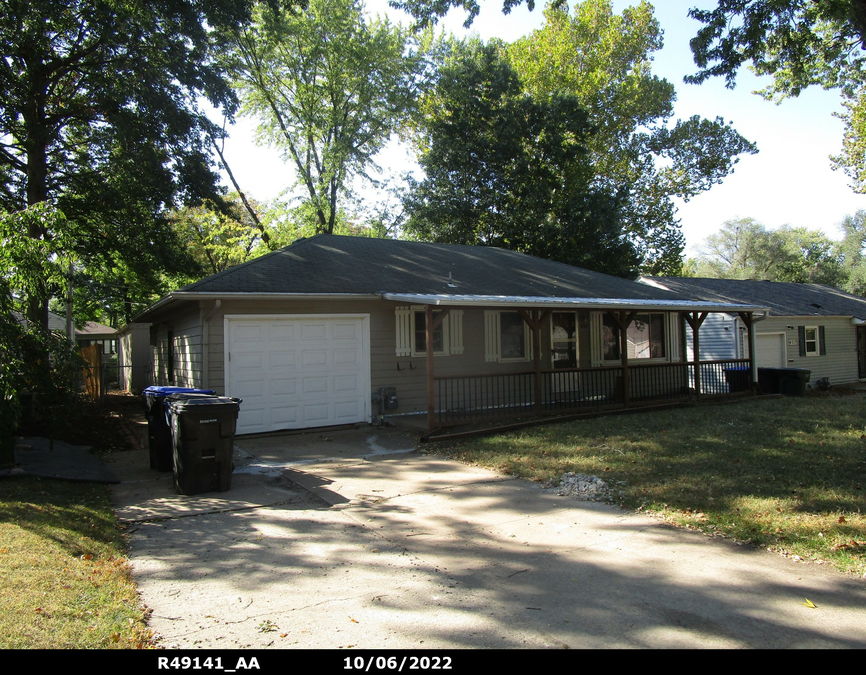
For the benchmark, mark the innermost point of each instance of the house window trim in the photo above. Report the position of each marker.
(575, 339)
(817, 341)
(493, 338)
(452, 332)
(667, 341)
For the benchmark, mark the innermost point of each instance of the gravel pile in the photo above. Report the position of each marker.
(583, 487)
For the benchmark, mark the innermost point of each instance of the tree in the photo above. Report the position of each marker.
(329, 89)
(604, 60)
(799, 43)
(852, 249)
(99, 116)
(219, 236)
(427, 12)
(744, 249)
(503, 169)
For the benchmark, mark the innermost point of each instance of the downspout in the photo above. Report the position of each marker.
(205, 344)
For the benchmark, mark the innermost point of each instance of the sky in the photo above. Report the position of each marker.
(789, 182)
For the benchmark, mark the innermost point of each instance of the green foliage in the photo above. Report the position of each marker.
(853, 247)
(30, 268)
(744, 249)
(604, 61)
(427, 12)
(799, 43)
(100, 116)
(503, 169)
(329, 89)
(219, 236)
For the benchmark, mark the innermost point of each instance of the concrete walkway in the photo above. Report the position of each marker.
(353, 539)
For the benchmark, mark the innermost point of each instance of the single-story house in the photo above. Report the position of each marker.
(810, 326)
(334, 330)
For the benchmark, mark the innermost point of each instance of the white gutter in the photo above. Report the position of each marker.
(175, 296)
(583, 303)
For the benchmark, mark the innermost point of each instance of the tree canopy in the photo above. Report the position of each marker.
(744, 249)
(100, 117)
(799, 43)
(329, 88)
(604, 60)
(509, 170)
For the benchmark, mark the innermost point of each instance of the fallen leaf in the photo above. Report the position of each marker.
(841, 519)
(809, 604)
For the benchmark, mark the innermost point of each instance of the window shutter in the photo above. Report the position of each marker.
(823, 345)
(491, 335)
(455, 317)
(801, 338)
(404, 331)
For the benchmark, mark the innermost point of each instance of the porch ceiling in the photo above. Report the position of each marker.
(570, 302)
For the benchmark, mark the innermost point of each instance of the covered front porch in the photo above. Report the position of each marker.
(637, 353)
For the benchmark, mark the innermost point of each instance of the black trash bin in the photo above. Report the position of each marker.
(792, 381)
(202, 435)
(787, 381)
(768, 380)
(737, 378)
(158, 431)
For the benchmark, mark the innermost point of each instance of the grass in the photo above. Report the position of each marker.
(64, 577)
(786, 474)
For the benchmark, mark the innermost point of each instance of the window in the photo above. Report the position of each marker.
(411, 338)
(506, 337)
(563, 340)
(812, 340)
(419, 323)
(646, 337)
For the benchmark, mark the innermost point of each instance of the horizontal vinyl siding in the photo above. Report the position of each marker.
(840, 338)
(716, 343)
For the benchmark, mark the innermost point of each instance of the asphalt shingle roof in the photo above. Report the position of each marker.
(783, 299)
(340, 264)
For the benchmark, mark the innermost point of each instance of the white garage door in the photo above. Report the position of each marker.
(294, 371)
(770, 350)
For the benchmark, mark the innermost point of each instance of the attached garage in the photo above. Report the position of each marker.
(770, 350)
(298, 371)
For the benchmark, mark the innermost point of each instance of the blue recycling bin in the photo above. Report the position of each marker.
(158, 431)
(202, 437)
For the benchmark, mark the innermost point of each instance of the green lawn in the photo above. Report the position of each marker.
(786, 474)
(64, 577)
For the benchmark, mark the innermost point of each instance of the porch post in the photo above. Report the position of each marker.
(748, 319)
(431, 394)
(534, 318)
(695, 320)
(623, 321)
(431, 326)
(536, 357)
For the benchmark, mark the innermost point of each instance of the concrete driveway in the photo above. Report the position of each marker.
(353, 538)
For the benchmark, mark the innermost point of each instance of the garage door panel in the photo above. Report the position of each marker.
(281, 359)
(345, 331)
(299, 372)
(313, 331)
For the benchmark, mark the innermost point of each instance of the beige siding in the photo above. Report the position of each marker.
(407, 374)
(185, 333)
(840, 336)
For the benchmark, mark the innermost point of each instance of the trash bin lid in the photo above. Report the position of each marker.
(162, 392)
(177, 403)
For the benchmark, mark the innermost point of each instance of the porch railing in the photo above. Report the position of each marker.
(468, 398)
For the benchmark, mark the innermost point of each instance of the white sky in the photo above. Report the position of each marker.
(790, 180)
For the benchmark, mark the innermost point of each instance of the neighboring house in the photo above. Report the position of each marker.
(134, 368)
(90, 332)
(810, 326)
(334, 330)
(86, 333)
